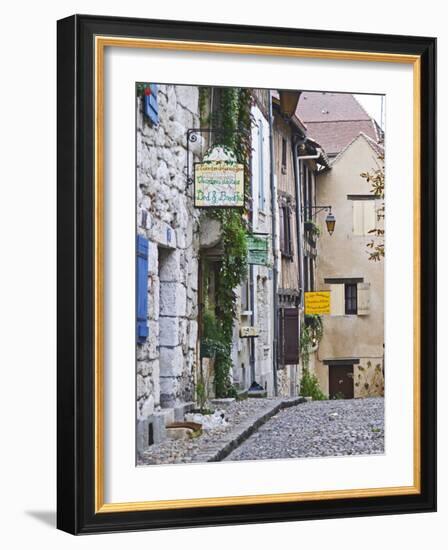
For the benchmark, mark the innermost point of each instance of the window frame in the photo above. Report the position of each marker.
(284, 155)
(286, 247)
(351, 301)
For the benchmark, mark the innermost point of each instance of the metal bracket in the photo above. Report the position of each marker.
(317, 208)
(192, 137)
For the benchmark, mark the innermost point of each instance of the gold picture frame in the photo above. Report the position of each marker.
(75, 35)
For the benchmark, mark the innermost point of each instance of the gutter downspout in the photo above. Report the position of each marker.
(305, 157)
(251, 286)
(274, 247)
(298, 197)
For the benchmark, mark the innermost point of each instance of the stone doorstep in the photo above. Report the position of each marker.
(181, 410)
(159, 420)
(219, 450)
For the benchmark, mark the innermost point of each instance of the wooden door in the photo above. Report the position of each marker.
(340, 381)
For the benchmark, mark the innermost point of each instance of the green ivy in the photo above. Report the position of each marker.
(234, 114)
(313, 228)
(311, 332)
(309, 386)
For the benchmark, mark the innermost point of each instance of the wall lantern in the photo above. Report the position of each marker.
(330, 222)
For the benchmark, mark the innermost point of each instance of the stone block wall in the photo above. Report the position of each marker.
(167, 218)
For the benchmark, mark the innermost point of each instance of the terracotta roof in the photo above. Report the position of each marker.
(376, 147)
(334, 136)
(335, 119)
(329, 107)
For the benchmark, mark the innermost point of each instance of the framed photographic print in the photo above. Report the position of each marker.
(246, 266)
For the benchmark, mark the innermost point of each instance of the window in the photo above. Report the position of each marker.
(364, 215)
(285, 231)
(245, 295)
(349, 296)
(284, 155)
(261, 198)
(351, 299)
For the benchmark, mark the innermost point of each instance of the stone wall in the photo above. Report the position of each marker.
(167, 218)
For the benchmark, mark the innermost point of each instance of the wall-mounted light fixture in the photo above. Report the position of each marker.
(330, 220)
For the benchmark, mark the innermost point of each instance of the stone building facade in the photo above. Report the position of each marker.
(182, 254)
(350, 359)
(253, 357)
(167, 219)
(351, 352)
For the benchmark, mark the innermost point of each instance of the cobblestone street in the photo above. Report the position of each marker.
(239, 419)
(319, 428)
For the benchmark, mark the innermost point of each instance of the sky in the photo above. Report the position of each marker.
(372, 104)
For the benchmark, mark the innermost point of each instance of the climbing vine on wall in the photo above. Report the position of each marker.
(234, 118)
(311, 333)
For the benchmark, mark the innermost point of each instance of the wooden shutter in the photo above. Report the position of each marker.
(288, 235)
(358, 218)
(337, 299)
(142, 289)
(364, 216)
(151, 104)
(289, 333)
(363, 298)
(369, 216)
(281, 221)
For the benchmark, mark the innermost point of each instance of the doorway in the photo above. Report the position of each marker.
(340, 381)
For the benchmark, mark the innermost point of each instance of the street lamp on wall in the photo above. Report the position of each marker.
(330, 220)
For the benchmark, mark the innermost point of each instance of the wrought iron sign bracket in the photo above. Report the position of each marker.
(192, 137)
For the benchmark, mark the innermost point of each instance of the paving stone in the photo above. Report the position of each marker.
(319, 428)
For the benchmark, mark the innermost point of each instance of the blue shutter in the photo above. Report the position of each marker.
(151, 104)
(142, 289)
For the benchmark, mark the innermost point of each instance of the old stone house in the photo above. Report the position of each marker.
(253, 357)
(349, 360)
(179, 251)
(167, 259)
(297, 161)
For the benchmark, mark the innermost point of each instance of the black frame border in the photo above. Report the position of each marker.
(76, 262)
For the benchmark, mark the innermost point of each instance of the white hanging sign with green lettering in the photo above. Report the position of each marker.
(219, 181)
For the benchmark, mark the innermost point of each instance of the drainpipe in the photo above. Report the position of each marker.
(306, 157)
(274, 247)
(298, 197)
(251, 286)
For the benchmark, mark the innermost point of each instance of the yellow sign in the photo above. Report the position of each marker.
(317, 303)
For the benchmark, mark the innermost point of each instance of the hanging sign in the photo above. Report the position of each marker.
(218, 183)
(257, 249)
(317, 303)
